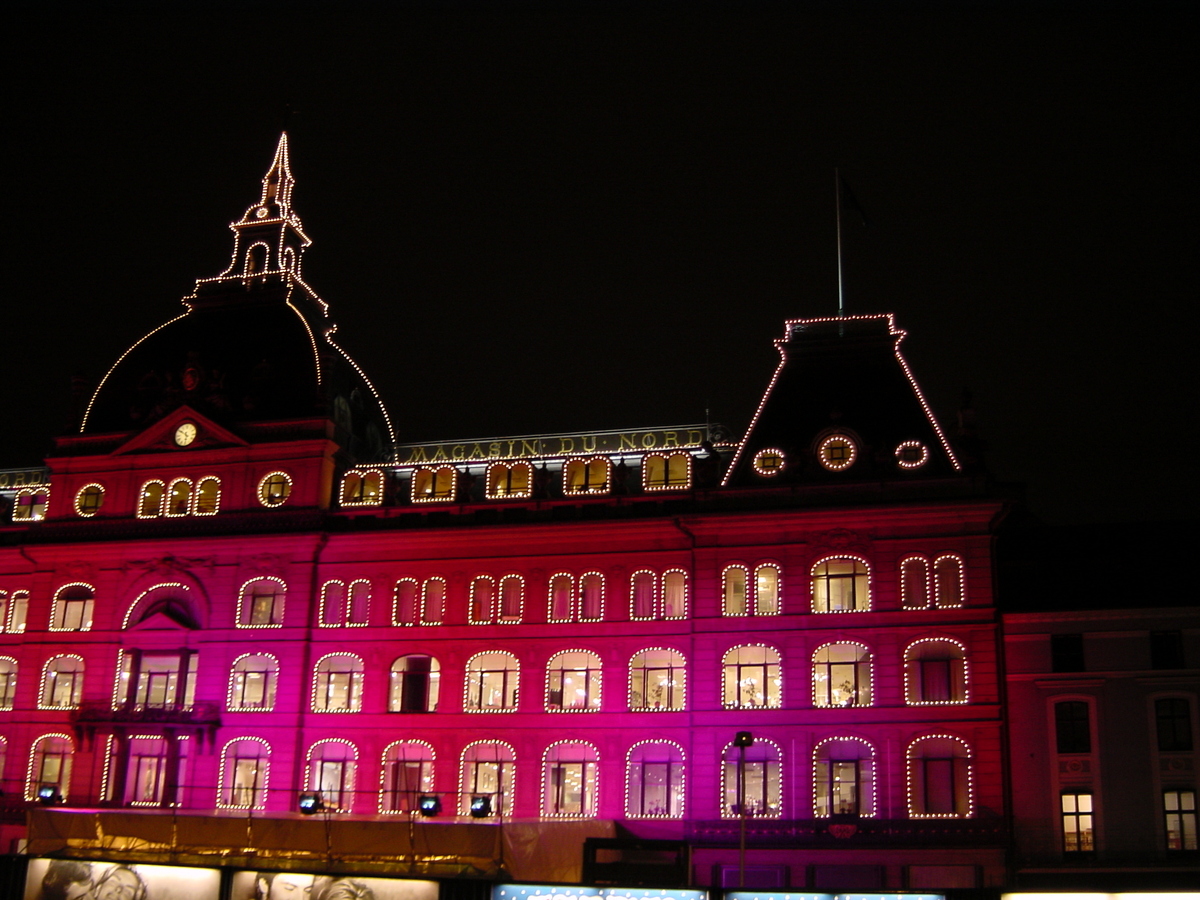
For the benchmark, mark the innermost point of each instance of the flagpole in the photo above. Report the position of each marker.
(837, 202)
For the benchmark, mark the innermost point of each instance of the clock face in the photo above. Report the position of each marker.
(185, 434)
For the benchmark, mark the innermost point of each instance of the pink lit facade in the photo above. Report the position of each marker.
(227, 592)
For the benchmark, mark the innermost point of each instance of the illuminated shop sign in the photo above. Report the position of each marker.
(15, 478)
(539, 447)
(48, 879)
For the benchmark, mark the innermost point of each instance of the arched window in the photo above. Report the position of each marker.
(843, 778)
(751, 678)
(13, 620)
(89, 499)
(150, 500)
(591, 597)
(509, 481)
(573, 682)
(487, 770)
(842, 675)
(261, 603)
(492, 682)
(358, 608)
(406, 602)
(654, 786)
(512, 598)
(50, 766)
(414, 684)
(179, 497)
(743, 596)
(72, 608)
(562, 598)
(245, 764)
(948, 577)
(331, 771)
(751, 779)
(483, 600)
(657, 680)
(667, 472)
(62, 683)
(345, 606)
(3, 756)
(364, 488)
(29, 505)
(433, 603)
(256, 259)
(407, 774)
(8, 683)
(337, 683)
(274, 489)
(841, 584)
(169, 599)
(490, 605)
(208, 497)
(652, 597)
(432, 485)
(914, 582)
(587, 476)
(935, 671)
(252, 682)
(939, 778)
(570, 782)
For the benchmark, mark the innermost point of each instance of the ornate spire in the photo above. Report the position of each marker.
(277, 184)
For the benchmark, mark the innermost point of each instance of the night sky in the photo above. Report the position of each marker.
(534, 218)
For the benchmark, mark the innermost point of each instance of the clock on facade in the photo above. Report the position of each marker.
(185, 434)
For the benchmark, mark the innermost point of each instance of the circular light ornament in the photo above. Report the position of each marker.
(275, 489)
(261, 212)
(185, 434)
(911, 455)
(769, 462)
(837, 452)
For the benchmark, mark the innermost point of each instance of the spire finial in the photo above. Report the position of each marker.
(277, 184)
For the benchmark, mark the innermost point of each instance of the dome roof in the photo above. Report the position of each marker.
(254, 345)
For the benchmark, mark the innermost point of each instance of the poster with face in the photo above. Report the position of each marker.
(302, 886)
(77, 879)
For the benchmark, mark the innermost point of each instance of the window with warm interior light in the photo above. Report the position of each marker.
(362, 488)
(332, 766)
(431, 485)
(842, 675)
(841, 584)
(1179, 812)
(14, 608)
(29, 505)
(487, 769)
(657, 680)
(752, 781)
(62, 683)
(570, 785)
(245, 763)
(150, 500)
(935, 671)
(8, 683)
(573, 682)
(407, 775)
(509, 481)
(492, 682)
(654, 785)
(939, 778)
(1077, 821)
(743, 595)
(414, 684)
(843, 778)
(50, 766)
(261, 603)
(89, 499)
(666, 471)
(252, 682)
(158, 680)
(338, 683)
(275, 489)
(72, 608)
(751, 678)
(587, 476)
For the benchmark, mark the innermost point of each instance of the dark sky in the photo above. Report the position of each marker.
(533, 218)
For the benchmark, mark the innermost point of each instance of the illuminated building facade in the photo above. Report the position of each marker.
(232, 590)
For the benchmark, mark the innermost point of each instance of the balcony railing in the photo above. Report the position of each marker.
(841, 831)
(198, 714)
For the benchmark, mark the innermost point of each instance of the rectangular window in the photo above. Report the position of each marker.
(1077, 822)
(1179, 808)
(1173, 722)
(246, 774)
(1066, 653)
(1166, 650)
(250, 689)
(1071, 727)
(158, 682)
(73, 615)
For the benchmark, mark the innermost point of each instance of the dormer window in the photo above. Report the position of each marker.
(362, 488)
(509, 481)
(587, 476)
(662, 472)
(30, 505)
(431, 485)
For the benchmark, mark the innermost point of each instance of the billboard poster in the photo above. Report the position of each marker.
(302, 886)
(81, 879)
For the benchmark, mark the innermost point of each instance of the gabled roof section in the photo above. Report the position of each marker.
(160, 436)
(842, 407)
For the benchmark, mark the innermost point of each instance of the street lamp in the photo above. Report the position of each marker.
(742, 740)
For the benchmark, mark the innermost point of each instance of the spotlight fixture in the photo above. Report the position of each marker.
(481, 806)
(48, 795)
(743, 739)
(429, 805)
(310, 803)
